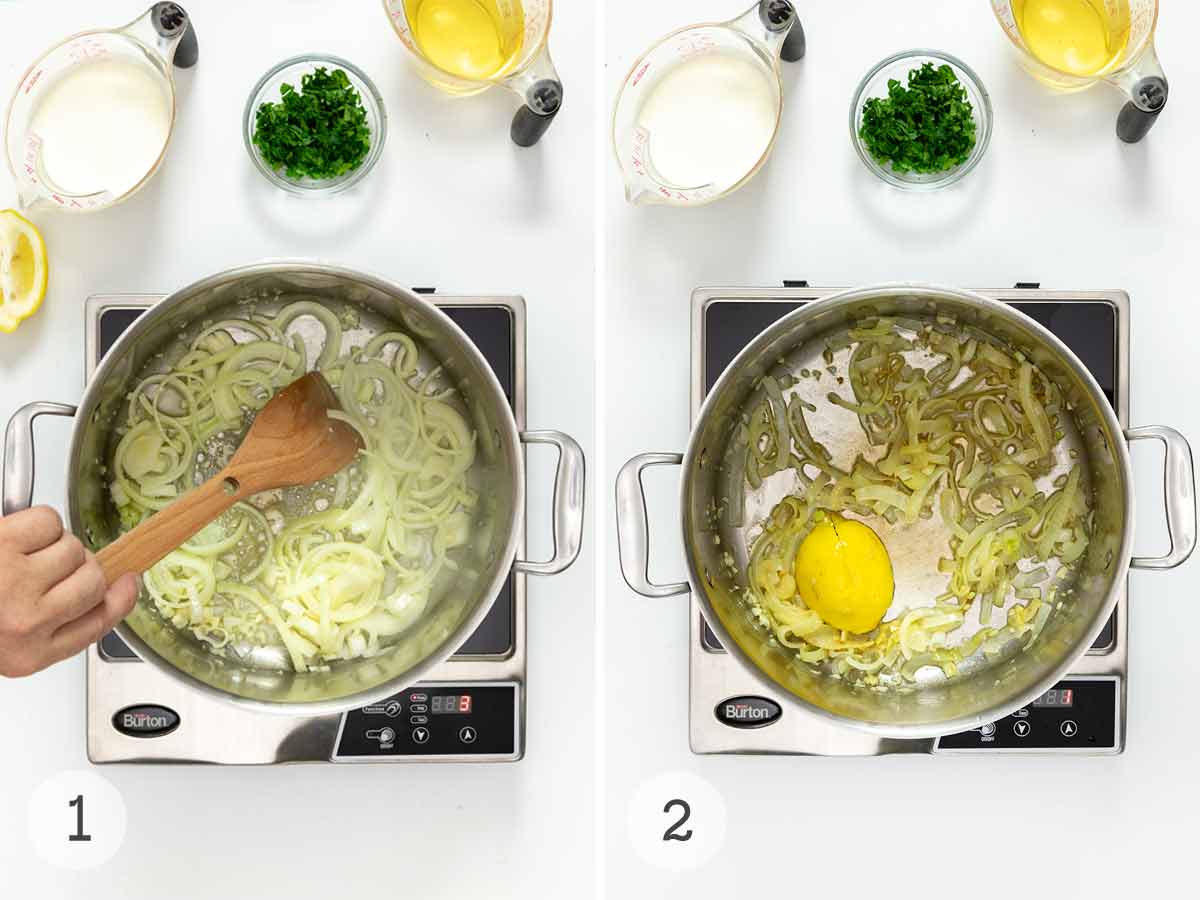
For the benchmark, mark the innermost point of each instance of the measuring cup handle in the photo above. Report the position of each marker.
(796, 44)
(541, 90)
(543, 100)
(1145, 83)
(168, 30)
(1140, 113)
(187, 51)
(783, 28)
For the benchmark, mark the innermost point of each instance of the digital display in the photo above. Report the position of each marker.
(1060, 698)
(452, 704)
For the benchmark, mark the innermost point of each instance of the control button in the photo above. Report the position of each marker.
(988, 730)
(468, 735)
(1069, 729)
(1022, 713)
(420, 735)
(418, 708)
(391, 709)
(418, 698)
(385, 736)
(419, 720)
(1021, 728)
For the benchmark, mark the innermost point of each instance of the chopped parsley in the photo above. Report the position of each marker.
(319, 131)
(926, 127)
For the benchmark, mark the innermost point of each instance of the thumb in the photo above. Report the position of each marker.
(122, 594)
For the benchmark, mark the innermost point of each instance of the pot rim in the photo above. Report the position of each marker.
(507, 422)
(1120, 448)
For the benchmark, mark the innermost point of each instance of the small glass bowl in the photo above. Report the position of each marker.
(875, 84)
(291, 71)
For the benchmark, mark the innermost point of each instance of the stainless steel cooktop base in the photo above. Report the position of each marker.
(715, 677)
(210, 731)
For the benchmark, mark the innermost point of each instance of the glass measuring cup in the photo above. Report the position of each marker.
(1137, 72)
(766, 33)
(156, 41)
(530, 74)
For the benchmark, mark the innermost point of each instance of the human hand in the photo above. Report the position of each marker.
(53, 599)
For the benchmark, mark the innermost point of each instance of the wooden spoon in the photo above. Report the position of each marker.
(292, 442)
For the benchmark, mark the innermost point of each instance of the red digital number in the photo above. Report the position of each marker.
(1067, 696)
(464, 703)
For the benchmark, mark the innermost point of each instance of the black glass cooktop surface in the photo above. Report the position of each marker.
(1088, 327)
(492, 330)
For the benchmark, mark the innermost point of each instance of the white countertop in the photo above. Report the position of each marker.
(1057, 200)
(452, 204)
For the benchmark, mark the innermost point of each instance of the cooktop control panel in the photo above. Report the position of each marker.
(1077, 714)
(474, 721)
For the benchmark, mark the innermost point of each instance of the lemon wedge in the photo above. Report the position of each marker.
(23, 269)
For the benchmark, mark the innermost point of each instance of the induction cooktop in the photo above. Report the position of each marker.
(1084, 714)
(471, 710)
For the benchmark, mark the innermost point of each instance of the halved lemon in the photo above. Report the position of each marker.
(23, 269)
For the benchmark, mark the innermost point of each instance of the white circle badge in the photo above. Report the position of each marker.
(677, 821)
(76, 820)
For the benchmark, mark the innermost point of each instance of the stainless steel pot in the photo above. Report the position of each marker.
(500, 471)
(710, 534)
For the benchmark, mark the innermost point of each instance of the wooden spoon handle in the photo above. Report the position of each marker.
(168, 529)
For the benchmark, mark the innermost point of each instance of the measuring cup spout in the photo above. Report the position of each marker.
(776, 26)
(640, 192)
(1145, 83)
(167, 29)
(644, 186)
(541, 90)
(29, 196)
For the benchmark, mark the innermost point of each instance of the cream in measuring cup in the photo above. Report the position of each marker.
(90, 120)
(698, 114)
(101, 127)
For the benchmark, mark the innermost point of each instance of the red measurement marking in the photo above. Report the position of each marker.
(638, 77)
(695, 45)
(33, 79)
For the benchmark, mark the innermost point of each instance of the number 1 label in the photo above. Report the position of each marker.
(78, 835)
(76, 820)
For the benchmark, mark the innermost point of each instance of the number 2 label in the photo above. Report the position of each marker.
(672, 833)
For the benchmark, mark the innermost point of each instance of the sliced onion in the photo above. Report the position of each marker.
(330, 585)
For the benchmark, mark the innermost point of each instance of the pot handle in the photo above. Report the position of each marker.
(1179, 488)
(568, 503)
(633, 526)
(17, 488)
